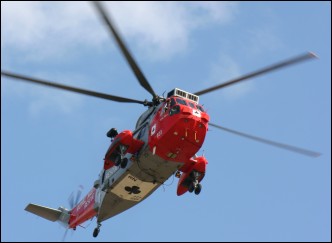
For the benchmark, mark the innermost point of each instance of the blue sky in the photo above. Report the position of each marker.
(52, 141)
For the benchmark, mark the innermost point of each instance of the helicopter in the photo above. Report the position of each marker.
(164, 142)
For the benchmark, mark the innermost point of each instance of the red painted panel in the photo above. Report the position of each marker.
(84, 210)
(177, 137)
(197, 164)
(124, 138)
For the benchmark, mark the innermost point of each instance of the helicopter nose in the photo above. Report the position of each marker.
(180, 135)
(191, 129)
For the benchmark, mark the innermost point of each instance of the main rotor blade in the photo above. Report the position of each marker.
(69, 88)
(125, 51)
(273, 67)
(266, 141)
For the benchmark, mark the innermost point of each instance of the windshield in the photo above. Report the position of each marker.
(181, 102)
(200, 108)
(192, 105)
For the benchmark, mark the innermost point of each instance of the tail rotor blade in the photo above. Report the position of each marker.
(71, 200)
(74, 198)
(78, 194)
(65, 235)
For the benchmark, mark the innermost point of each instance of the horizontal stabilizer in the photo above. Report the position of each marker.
(45, 212)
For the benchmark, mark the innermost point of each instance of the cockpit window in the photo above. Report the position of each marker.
(180, 101)
(200, 108)
(172, 102)
(187, 103)
(192, 105)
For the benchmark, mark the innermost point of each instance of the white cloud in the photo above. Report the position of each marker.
(49, 29)
(224, 70)
(52, 100)
(262, 40)
(42, 29)
(216, 11)
(39, 32)
(42, 100)
(164, 28)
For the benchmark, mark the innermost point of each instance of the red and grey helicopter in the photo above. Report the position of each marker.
(165, 141)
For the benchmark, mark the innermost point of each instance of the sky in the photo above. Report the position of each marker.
(53, 141)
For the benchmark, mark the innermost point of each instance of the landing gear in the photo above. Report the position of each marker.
(96, 230)
(124, 163)
(121, 162)
(191, 187)
(194, 185)
(198, 189)
(118, 160)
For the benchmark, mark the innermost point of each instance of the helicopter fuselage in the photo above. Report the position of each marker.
(165, 140)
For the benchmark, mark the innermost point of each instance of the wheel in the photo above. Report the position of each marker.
(117, 160)
(96, 232)
(191, 187)
(198, 189)
(124, 163)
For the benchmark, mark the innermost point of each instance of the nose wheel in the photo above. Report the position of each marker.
(96, 230)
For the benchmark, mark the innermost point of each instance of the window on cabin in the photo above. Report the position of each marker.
(200, 108)
(172, 102)
(166, 106)
(192, 105)
(181, 102)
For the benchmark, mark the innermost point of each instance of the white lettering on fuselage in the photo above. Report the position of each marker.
(86, 202)
(163, 116)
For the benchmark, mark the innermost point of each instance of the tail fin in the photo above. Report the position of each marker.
(61, 214)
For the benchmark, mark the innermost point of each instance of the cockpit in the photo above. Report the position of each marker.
(181, 101)
(180, 97)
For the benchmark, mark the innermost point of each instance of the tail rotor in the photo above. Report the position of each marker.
(73, 199)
